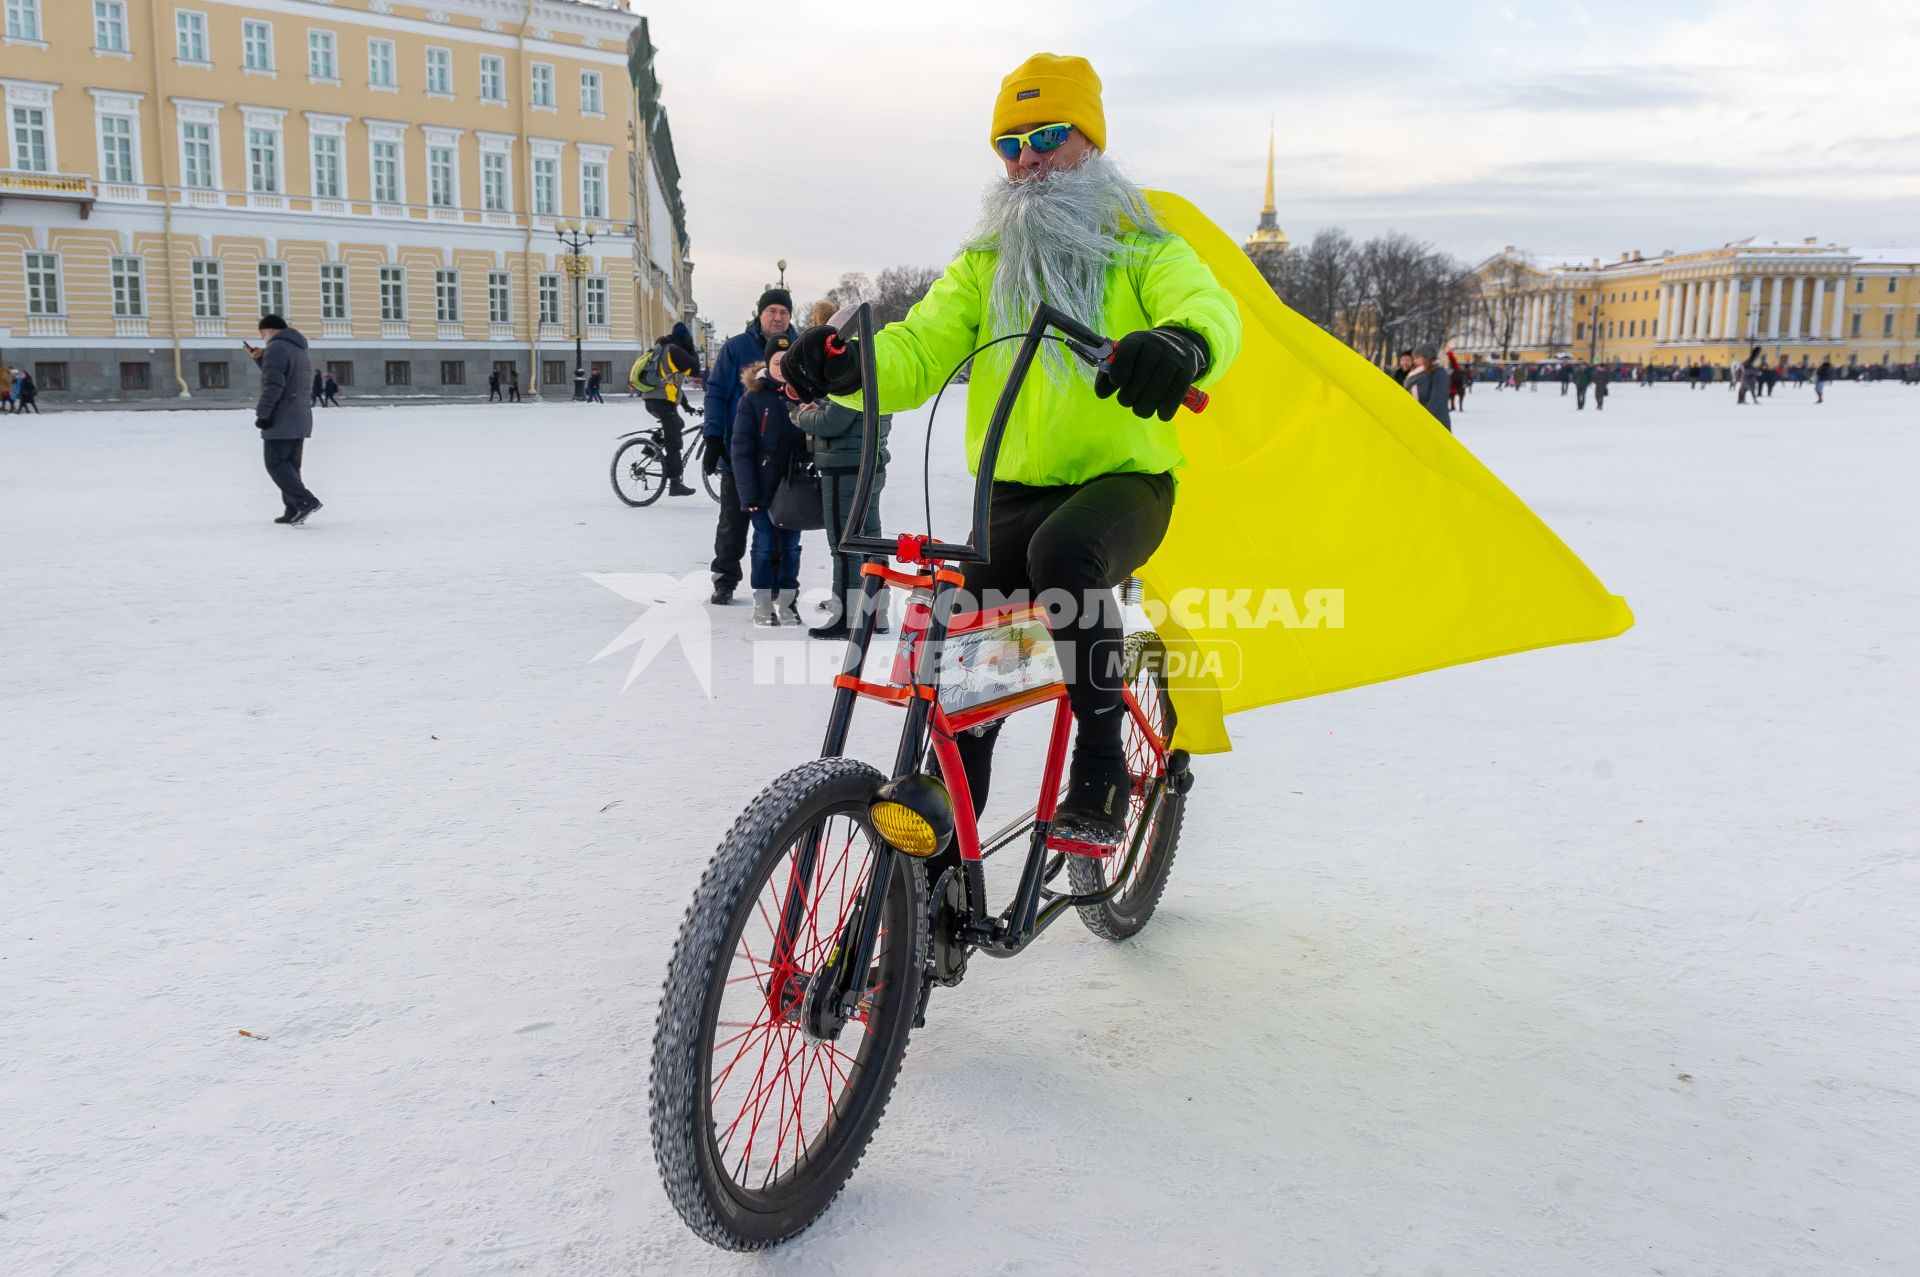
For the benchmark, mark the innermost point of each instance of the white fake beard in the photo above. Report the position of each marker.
(1056, 237)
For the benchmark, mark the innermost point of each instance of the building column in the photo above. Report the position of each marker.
(1817, 316)
(1685, 331)
(1666, 314)
(1794, 322)
(1733, 309)
(1838, 329)
(1773, 312)
(1709, 294)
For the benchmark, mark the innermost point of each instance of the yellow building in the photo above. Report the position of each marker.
(389, 176)
(1801, 303)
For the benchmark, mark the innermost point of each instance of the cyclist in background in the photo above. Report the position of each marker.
(1084, 484)
(660, 375)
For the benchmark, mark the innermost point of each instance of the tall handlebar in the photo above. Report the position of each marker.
(1083, 341)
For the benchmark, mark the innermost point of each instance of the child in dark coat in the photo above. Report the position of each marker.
(763, 443)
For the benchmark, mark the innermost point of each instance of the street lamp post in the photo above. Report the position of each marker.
(573, 237)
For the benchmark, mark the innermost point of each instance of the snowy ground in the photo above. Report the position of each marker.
(1595, 960)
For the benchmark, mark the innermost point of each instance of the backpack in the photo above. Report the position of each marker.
(644, 375)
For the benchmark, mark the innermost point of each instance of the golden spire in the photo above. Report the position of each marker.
(1268, 233)
(1268, 210)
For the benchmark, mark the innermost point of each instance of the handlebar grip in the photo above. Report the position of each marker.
(1196, 399)
(835, 346)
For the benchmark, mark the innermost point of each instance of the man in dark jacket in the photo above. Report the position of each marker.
(1582, 378)
(771, 319)
(763, 444)
(284, 422)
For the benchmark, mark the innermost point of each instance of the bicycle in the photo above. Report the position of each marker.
(639, 471)
(813, 941)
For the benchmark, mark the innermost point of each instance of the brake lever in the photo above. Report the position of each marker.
(1101, 356)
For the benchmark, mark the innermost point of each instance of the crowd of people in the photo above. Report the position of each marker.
(17, 391)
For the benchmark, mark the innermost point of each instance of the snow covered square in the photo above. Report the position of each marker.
(339, 881)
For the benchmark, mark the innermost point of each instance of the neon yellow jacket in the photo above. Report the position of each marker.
(1059, 433)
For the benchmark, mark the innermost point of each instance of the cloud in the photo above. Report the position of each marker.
(1614, 90)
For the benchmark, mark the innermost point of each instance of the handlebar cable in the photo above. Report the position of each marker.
(926, 458)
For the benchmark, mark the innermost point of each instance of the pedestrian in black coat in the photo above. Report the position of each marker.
(284, 422)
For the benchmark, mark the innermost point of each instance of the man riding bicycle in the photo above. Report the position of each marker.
(1084, 486)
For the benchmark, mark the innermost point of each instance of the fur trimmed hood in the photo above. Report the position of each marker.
(754, 377)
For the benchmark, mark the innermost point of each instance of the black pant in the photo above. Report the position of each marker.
(670, 424)
(513, 392)
(283, 466)
(493, 394)
(1083, 539)
(730, 536)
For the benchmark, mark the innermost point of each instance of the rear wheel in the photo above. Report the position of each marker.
(709, 479)
(639, 471)
(761, 1105)
(1156, 810)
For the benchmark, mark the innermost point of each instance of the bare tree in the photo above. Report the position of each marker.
(1503, 300)
(898, 289)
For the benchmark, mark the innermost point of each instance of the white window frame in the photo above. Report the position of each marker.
(272, 123)
(125, 129)
(44, 296)
(110, 19)
(127, 276)
(191, 44)
(597, 300)
(35, 119)
(208, 288)
(493, 79)
(333, 285)
(329, 181)
(381, 133)
(595, 103)
(256, 37)
(383, 53)
(439, 196)
(446, 295)
(440, 61)
(540, 89)
(503, 158)
(393, 288)
(499, 297)
(323, 56)
(23, 22)
(271, 287)
(549, 291)
(544, 178)
(592, 158)
(204, 115)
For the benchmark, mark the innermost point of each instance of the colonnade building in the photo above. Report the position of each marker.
(1801, 303)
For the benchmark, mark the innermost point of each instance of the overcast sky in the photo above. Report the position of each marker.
(853, 135)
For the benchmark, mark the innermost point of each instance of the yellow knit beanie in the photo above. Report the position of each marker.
(1048, 89)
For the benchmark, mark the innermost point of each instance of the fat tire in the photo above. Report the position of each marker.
(1123, 915)
(680, 1118)
(613, 473)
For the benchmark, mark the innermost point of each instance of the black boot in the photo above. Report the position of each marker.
(675, 488)
(1099, 793)
(722, 591)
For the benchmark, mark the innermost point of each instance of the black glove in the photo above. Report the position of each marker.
(710, 454)
(262, 423)
(811, 372)
(1151, 370)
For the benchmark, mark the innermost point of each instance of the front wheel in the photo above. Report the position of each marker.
(639, 472)
(759, 1111)
(1160, 780)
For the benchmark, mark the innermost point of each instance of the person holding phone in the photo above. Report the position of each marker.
(282, 415)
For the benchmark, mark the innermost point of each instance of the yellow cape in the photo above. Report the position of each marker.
(1366, 543)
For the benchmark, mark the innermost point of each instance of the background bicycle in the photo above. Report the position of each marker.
(639, 471)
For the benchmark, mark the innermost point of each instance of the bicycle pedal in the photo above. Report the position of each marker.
(1074, 847)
